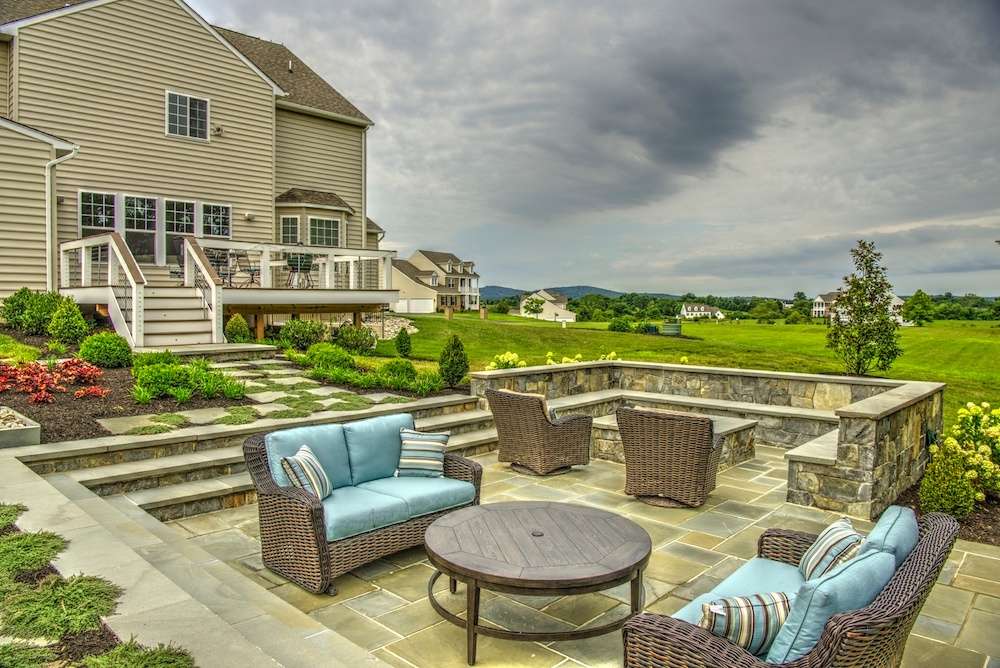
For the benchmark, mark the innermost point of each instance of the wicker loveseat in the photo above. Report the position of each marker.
(870, 637)
(370, 513)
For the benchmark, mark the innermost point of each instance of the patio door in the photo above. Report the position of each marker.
(178, 221)
(140, 227)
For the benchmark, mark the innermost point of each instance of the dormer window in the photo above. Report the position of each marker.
(434, 280)
(187, 116)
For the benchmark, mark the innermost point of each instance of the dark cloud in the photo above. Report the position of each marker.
(553, 140)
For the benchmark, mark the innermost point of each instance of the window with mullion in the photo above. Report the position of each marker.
(140, 214)
(187, 116)
(324, 232)
(97, 211)
(216, 220)
(289, 229)
(178, 217)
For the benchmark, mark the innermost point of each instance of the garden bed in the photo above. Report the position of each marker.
(981, 526)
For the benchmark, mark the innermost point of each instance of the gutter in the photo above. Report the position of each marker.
(49, 218)
(312, 111)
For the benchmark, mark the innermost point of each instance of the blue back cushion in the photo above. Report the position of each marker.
(325, 440)
(373, 446)
(850, 586)
(896, 533)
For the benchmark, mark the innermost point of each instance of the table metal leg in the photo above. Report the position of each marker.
(453, 585)
(472, 619)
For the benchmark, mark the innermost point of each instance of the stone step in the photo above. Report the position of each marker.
(172, 502)
(473, 442)
(220, 352)
(457, 423)
(161, 471)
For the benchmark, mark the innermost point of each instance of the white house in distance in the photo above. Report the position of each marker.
(825, 305)
(553, 307)
(692, 311)
(431, 280)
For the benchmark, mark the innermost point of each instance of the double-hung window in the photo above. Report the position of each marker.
(187, 116)
(289, 229)
(216, 220)
(97, 211)
(324, 232)
(178, 217)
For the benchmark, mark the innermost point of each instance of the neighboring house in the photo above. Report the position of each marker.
(139, 145)
(554, 307)
(825, 306)
(432, 280)
(692, 311)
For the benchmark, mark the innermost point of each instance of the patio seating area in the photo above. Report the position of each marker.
(383, 606)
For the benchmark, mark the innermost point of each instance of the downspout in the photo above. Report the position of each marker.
(50, 219)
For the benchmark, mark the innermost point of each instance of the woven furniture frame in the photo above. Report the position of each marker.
(531, 441)
(671, 458)
(872, 637)
(293, 534)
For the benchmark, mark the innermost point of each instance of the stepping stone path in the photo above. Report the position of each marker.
(273, 385)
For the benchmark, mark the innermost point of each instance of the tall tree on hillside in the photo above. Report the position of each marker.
(918, 309)
(802, 304)
(863, 332)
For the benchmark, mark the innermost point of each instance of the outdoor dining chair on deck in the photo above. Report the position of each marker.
(244, 265)
(300, 267)
(220, 260)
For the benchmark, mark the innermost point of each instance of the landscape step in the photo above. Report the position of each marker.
(160, 471)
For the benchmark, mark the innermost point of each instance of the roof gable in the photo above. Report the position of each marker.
(55, 142)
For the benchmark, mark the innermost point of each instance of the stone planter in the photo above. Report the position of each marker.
(13, 436)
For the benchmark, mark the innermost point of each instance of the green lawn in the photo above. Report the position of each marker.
(962, 354)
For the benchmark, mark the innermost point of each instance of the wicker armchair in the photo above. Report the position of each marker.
(670, 458)
(533, 443)
(872, 637)
(293, 535)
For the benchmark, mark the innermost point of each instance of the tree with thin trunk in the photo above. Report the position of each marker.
(864, 332)
(532, 305)
(919, 308)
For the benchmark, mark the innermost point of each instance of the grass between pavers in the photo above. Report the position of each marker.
(171, 419)
(238, 415)
(958, 353)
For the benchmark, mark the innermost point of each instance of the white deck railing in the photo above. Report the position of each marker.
(199, 273)
(267, 265)
(104, 260)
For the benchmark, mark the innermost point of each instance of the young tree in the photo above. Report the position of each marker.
(403, 345)
(532, 305)
(454, 362)
(802, 304)
(863, 332)
(919, 308)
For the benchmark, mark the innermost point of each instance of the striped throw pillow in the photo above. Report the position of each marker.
(751, 622)
(837, 543)
(422, 455)
(305, 472)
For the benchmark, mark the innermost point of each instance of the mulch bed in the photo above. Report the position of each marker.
(982, 526)
(76, 646)
(69, 419)
(41, 342)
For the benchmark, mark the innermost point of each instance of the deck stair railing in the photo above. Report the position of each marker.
(200, 274)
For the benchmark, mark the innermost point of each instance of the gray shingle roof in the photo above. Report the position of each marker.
(317, 197)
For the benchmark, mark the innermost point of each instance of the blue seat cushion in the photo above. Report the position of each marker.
(327, 443)
(754, 577)
(424, 495)
(896, 532)
(850, 586)
(373, 446)
(349, 511)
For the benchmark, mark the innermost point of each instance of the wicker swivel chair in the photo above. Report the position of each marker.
(532, 442)
(670, 458)
(872, 637)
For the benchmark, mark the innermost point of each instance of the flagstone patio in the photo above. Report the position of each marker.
(383, 606)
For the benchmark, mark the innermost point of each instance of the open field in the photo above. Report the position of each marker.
(962, 354)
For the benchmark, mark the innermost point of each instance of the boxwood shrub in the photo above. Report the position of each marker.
(300, 334)
(106, 350)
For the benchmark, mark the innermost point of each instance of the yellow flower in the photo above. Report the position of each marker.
(684, 359)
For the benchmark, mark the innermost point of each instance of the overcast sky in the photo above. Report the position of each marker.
(728, 146)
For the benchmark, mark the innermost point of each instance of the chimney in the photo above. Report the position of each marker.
(290, 68)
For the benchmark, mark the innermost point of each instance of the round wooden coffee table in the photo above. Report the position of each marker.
(535, 549)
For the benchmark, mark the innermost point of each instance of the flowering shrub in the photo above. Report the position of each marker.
(550, 358)
(964, 467)
(507, 360)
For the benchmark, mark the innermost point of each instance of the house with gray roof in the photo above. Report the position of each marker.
(431, 281)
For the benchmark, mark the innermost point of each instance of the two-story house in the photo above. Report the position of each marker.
(693, 311)
(823, 304)
(430, 281)
(173, 172)
(554, 306)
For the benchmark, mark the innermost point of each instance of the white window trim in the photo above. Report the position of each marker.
(340, 232)
(179, 200)
(281, 229)
(156, 209)
(200, 224)
(79, 211)
(166, 116)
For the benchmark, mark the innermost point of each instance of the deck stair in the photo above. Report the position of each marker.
(173, 315)
(183, 473)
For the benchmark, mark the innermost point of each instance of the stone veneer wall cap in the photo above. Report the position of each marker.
(886, 403)
(821, 450)
(624, 364)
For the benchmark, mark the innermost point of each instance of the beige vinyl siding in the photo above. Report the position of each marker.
(372, 241)
(412, 289)
(321, 154)
(5, 79)
(22, 211)
(98, 78)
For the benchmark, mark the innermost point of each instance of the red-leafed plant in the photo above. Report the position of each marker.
(78, 371)
(40, 382)
(92, 391)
